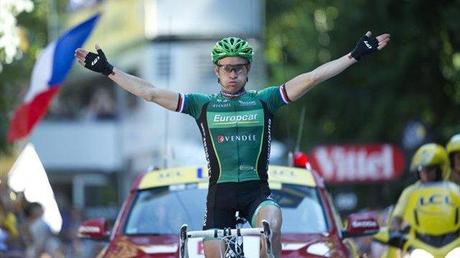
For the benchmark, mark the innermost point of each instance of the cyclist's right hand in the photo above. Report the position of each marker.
(94, 62)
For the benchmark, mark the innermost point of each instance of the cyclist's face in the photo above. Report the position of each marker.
(456, 161)
(232, 73)
(428, 174)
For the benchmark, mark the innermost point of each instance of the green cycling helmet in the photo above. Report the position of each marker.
(232, 46)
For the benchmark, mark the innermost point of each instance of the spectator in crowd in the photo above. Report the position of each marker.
(71, 219)
(453, 150)
(43, 239)
(101, 106)
(3, 244)
(9, 234)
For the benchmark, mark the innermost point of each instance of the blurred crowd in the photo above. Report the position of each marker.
(25, 234)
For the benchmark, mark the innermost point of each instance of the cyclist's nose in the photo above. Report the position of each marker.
(233, 74)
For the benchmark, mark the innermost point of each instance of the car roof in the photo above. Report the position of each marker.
(277, 175)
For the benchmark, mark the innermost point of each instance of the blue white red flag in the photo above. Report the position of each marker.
(49, 72)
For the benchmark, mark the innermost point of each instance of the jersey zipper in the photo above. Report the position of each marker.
(237, 143)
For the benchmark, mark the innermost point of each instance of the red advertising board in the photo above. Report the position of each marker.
(358, 163)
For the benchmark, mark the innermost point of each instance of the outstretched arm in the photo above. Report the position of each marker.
(142, 88)
(302, 83)
(137, 86)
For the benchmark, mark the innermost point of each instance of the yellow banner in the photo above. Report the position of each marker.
(289, 175)
(187, 175)
(173, 176)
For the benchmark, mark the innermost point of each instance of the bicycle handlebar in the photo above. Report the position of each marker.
(216, 233)
(264, 231)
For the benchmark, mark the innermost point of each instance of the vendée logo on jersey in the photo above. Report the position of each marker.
(236, 138)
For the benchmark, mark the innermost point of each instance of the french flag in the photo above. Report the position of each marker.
(48, 74)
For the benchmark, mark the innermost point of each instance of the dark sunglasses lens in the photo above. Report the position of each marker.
(236, 68)
(427, 168)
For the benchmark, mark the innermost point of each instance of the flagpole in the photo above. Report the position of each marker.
(53, 19)
(167, 155)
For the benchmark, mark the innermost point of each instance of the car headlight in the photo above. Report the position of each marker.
(419, 253)
(320, 249)
(454, 253)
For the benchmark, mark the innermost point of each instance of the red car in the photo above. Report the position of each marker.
(161, 201)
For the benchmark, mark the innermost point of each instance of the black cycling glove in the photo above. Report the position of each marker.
(98, 63)
(365, 46)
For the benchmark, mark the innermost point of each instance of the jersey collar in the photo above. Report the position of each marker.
(233, 95)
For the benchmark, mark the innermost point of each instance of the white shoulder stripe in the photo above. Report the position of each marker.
(285, 99)
(182, 104)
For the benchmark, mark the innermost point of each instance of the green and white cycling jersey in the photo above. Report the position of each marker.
(236, 131)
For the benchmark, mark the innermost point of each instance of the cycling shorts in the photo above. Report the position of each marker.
(225, 199)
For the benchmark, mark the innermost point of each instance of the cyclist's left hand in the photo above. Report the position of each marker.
(96, 62)
(368, 44)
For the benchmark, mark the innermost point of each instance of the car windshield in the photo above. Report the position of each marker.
(163, 210)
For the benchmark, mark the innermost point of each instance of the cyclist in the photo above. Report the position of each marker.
(430, 162)
(453, 151)
(236, 127)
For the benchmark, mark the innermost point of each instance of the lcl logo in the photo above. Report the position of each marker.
(434, 199)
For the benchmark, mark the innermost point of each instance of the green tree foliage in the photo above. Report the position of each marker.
(415, 76)
(14, 78)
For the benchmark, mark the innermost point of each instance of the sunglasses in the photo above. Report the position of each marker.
(238, 68)
(429, 168)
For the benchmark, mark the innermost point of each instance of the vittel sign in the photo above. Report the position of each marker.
(358, 163)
